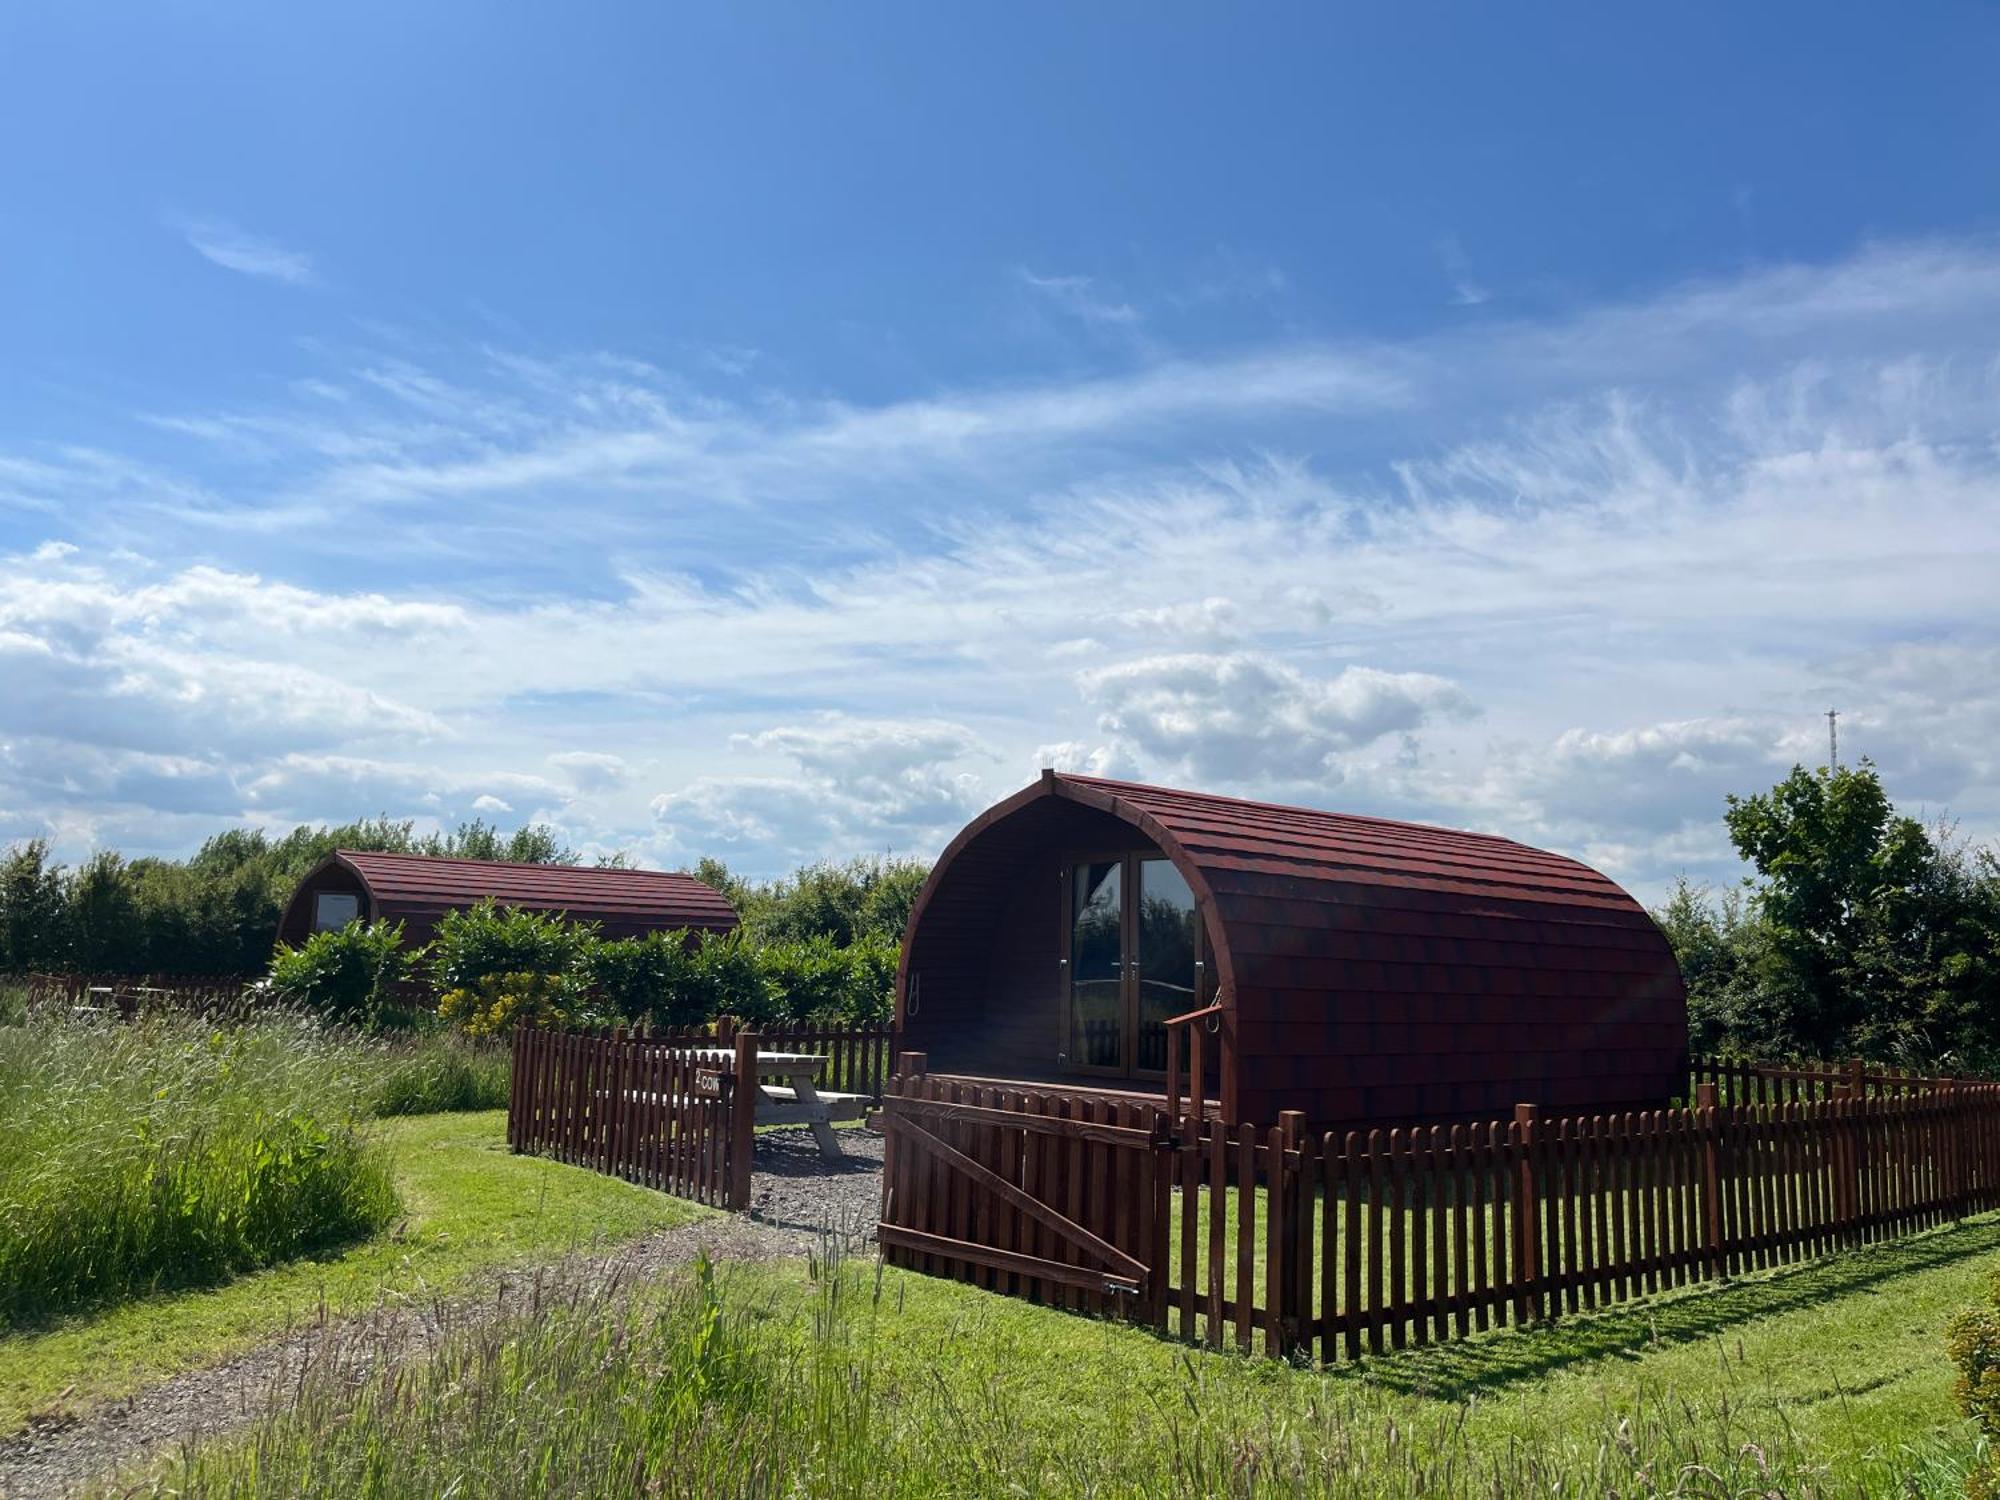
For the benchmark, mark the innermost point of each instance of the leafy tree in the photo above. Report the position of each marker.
(841, 902)
(103, 913)
(33, 915)
(1863, 933)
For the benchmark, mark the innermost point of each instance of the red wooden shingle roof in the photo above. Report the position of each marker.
(416, 885)
(1264, 838)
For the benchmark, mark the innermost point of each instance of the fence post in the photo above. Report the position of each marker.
(1527, 1219)
(1286, 1193)
(1711, 1178)
(515, 1092)
(1847, 1157)
(742, 1119)
(896, 1209)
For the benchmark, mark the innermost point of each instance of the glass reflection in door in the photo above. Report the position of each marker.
(1096, 964)
(1168, 979)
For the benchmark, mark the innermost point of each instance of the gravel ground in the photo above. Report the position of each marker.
(796, 1200)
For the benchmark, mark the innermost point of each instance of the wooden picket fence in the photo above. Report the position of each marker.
(126, 995)
(660, 1108)
(662, 1113)
(1741, 1082)
(1292, 1243)
(858, 1058)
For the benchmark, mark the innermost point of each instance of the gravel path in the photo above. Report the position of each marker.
(796, 1200)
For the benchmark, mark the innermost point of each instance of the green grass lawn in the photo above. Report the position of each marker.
(1842, 1361)
(799, 1378)
(469, 1207)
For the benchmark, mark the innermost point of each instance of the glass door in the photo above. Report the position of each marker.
(1166, 966)
(1097, 965)
(1134, 959)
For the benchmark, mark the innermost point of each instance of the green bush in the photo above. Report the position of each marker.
(494, 1004)
(727, 978)
(480, 941)
(171, 1153)
(347, 975)
(647, 978)
(1974, 1344)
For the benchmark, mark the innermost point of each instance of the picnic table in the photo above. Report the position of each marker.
(788, 1093)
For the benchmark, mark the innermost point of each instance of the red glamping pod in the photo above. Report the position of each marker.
(1357, 969)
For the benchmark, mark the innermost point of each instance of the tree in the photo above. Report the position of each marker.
(33, 915)
(1862, 933)
(103, 913)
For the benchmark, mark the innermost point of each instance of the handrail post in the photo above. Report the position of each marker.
(1173, 1071)
(1197, 1073)
(743, 1119)
(1711, 1179)
(1527, 1228)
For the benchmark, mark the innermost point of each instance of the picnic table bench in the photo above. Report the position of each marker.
(788, 1093)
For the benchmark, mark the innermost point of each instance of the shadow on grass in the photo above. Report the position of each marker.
(1493, 1361)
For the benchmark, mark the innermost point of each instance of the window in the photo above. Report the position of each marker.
(333, 910)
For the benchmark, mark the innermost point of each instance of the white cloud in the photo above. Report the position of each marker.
(1246, 719)
(1652, 541)
(855, 786)
(592, 770)
(234, 250)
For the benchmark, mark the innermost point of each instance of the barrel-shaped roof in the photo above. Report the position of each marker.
(1227, 835)
(1287, 887)
(407, 886)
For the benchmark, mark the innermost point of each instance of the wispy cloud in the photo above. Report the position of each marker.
(1651, 541)
(1080, 297)
(1465, 292)
(236, 250)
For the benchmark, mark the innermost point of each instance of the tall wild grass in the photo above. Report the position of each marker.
(172, 1152)
(696, 1388)
(432, 1072)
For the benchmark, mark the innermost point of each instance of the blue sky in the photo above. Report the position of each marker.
(774, 431)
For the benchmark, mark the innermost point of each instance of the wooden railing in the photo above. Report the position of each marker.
(1291, 1242)
(1184, 1039)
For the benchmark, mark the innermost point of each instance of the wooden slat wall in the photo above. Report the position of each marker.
(1273, 1240)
